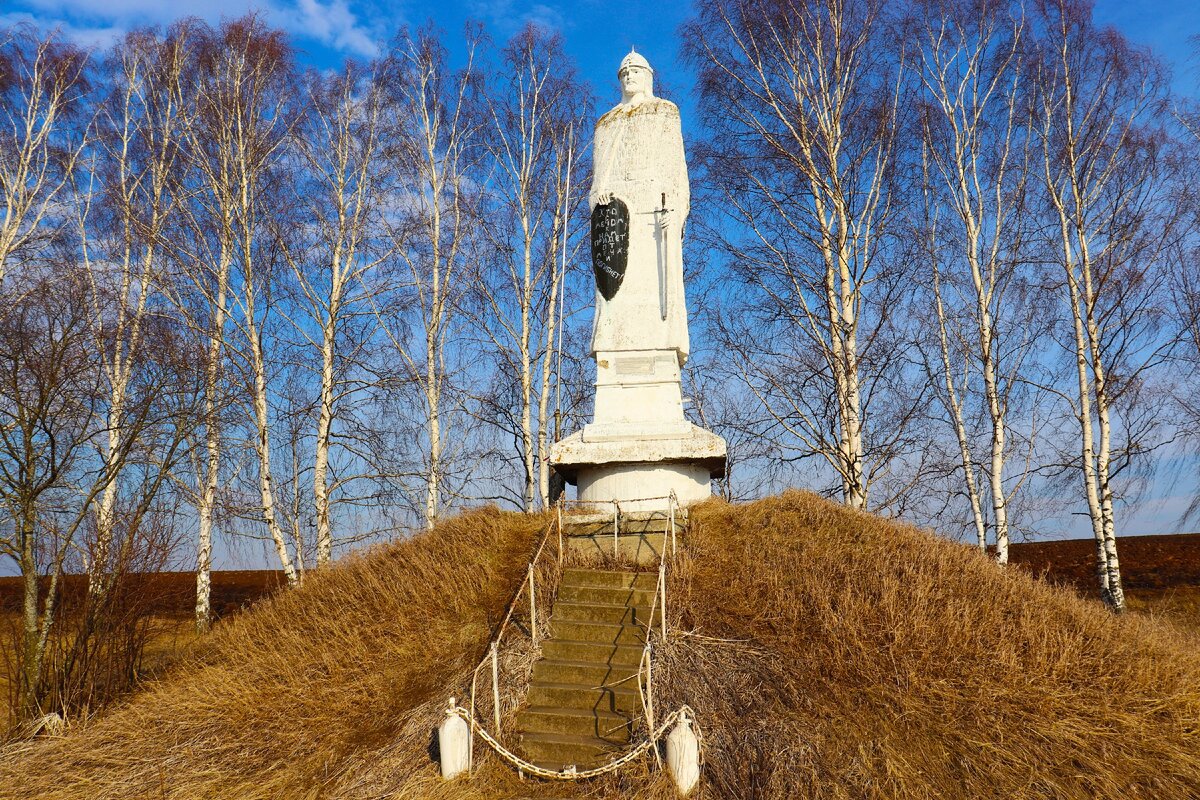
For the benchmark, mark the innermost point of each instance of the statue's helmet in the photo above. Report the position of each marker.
(634, 59)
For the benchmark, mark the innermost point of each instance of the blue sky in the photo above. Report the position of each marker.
(597, 34)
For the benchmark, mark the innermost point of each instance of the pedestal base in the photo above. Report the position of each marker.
(626, 482)
(639, 472)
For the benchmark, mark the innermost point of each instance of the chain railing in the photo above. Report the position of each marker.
(644, 675)
(528, 586)
(571, 773)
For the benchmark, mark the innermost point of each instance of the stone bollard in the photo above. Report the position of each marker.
(454, 743)
(683, 755)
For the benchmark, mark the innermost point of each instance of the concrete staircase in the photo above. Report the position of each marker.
(641, 536)
(584, 695)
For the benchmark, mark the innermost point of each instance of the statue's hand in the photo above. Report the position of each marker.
(604, 198)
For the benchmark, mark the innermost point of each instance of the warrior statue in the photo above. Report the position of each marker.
(640, 196)
(639, 449)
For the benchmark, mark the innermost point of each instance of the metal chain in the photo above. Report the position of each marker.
(570, 773)
(655, 734)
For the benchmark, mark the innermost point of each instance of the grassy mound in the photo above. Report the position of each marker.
(827, 653)
(871, 659)
(282, 700)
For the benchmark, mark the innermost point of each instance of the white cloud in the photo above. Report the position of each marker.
(508, 17)
(546, 17)
(145, 11)
(87, 36)
(335, 24)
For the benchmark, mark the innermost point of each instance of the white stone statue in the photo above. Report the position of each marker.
(639, 447)
(638, 159)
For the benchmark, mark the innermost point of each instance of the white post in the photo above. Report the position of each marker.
(683, 755)
(533, 628)
(662, 587)
(616, 526)
(672, 502)
(454, 746)
(496, 687)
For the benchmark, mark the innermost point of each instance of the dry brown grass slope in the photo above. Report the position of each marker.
(873, 660)
(830, 654)
(280, 700)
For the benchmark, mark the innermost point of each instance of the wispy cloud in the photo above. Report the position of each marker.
(336, 24)
(142, 12)
(507, 17)
(87, 36)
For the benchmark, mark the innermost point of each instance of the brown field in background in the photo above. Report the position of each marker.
(1161, 573)
(232, 590)
(171, 628)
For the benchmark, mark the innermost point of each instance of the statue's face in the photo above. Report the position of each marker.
(635, 81)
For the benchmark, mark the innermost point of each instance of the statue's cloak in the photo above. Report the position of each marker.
(638, 157)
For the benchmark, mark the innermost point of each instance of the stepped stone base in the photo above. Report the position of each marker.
(641, 537)
(584, 695)
(628, 461)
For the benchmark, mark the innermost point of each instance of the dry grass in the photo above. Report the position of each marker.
(874, 660)
(829, 654)
(281, 700)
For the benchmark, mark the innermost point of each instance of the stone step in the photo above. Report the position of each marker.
(596, 526)
(602, 612)
(639, 548)
(600, 632)
(592, 652)
(600, 595)
(609, 579)
(582, 673)
(558, 751)
(625, 698)
(605, 725)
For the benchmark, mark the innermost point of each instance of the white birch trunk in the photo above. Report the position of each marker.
(262, 443)
(1087, 453)
(547, 372)
(324, 427)
(526, 361)
(1107, 541)
(970, 485)
(206, 510)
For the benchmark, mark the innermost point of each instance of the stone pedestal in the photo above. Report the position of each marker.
(639, 447)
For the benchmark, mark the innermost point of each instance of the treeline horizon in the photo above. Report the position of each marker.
(941, 261)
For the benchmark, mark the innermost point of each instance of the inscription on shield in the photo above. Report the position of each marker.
(610, 245)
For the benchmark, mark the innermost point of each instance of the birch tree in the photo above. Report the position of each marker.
(803, 104)
(42, 89)
(1103, 174)
(974, 127)
(122, 219)
(531, 111)
(430, 141)
(232, 141)
(253, 74)
(340, 148)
